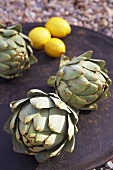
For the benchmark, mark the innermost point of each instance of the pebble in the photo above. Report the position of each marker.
(109, 165)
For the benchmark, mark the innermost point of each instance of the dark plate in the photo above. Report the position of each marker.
(94, 141)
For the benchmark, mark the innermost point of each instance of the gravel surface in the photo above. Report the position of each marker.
(92, 14)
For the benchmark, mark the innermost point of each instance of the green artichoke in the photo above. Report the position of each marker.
(16, 53)
(42, 125)
(82, 82)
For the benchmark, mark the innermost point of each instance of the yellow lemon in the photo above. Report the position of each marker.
(58, 27)
(55, 47)
(39, 37)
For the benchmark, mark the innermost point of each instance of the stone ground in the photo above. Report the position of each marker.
(93, 14)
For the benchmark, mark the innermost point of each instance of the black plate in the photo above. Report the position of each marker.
(94, 141)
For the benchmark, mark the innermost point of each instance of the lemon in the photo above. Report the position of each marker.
(39, 37)
(55, 47)
(58, 27)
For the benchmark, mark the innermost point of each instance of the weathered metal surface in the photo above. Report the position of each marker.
(94, 141)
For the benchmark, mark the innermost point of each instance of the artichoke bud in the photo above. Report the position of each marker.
(82, 82)
(16, 47)
(42, 125)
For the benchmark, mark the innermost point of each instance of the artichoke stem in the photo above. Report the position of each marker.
(51, 81)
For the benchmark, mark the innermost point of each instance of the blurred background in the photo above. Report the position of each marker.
(92, 14)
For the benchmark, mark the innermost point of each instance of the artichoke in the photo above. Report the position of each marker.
(16, 53)
(42, 125)
(82, 82)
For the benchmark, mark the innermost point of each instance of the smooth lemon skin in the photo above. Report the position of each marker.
(55, 47)
(58, 27)
(39, 37)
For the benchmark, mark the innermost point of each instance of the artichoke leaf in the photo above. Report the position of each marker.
(90, 75)
(59, 75)
(17, 133)
(54, 95)
(76, 60)
(41, 136)
(27, 119)
(103, 96)
(27, 113)
(14, 70)
(35, 93)
(91, 89)
(57, 151)
(24, 128)
(72, 71)
(41, 102)
(37, 148)
(4, 58)
(14, 64)
(26, 66)
(90, 65)
(76, 102)
(53, 140)
(75, 129)
(70, 128)
(64, 91)
(32, 132)
(15, 104)
(44, 155)
(58, 120)
(104, 74)
(101, 63)
(87, 54)
(63, 60)
(13, 120)
(78, 84)
(18, 58)
(16, 27)
(29, 49)
(3, 45)
(25, 37)
(7, 125)
(9, 33)
(109, 82)
(2, 26)
(74, 116)
(41, 120)
(90, 107)
(32, 59)
(26, 141)
(60, 104)
(27, 150)
(101, 77)
(51, 81)
(69, 146)
(4, 67)
(17, 146)
(104, 70)
(84, 56)
(18, 40)
(7, 76)
(11, 45)
(98, 83)
(90, 98)
(31, 141)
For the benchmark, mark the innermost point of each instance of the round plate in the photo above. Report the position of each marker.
(94, 141)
